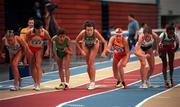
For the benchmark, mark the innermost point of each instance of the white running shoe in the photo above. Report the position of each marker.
(91, 86)
(149, 84)
(15, 88)
(144, 85)
(37, 87)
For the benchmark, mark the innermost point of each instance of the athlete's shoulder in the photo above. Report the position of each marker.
(4, 38)
(83, 31)
(24, 29)
(18, 37)
(54, 37)
(67, 37)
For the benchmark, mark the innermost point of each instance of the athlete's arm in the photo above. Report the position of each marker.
(99, 36)
(137, 49)
(177, 42)
(54, 48)
(49, 43)
(127, 51)
(157, 40)
(28, 35)
(108, 49)
(70, 51)
(23, 44)
(78, 39)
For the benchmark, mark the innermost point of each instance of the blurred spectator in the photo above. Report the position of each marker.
(30, 25)
(38, 11)
(133, 27)
(51, 23)
(142, 28)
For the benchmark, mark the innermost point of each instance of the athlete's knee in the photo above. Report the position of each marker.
(38, 66)
(90, 62)
(143, 63)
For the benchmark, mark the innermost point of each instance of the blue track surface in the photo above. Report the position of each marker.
(125, 97)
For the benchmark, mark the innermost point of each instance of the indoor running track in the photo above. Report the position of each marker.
(105, 95)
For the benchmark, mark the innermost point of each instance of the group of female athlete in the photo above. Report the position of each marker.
(30, 45)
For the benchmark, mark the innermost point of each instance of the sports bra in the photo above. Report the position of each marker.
(118, 46)
(13, 49)
(89, 40)
(147, 42)
(167, 41)
(36, 40)
(60, 47)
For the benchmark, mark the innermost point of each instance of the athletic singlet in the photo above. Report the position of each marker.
(60, 46)
(167, 43)
(36, 42)
(147, 43)
(166, 40)
(23, 33)
(13, 49)
(118, 48)
(89, 40)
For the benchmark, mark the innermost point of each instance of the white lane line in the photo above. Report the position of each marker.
(62, 104)
(145, 100)
(33, 93)
(56, 71)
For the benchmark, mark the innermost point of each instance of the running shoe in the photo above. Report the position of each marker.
(119, 84)
(91, 86)
(149, 84)
(66, 86)
(172, 82)
(124, 84)
(60, 87)
(166, 85)
(37, 88)
(144, 85)
(15, 88)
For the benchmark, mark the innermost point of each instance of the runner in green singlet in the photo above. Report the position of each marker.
(62, 51)
(90, 37)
